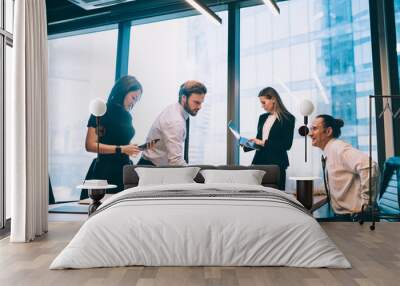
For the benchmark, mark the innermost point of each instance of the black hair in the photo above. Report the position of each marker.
(122, 87)
(189, 87)
(334, 123)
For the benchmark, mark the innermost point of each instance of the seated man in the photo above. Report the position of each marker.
(172, 128)
(347, 169)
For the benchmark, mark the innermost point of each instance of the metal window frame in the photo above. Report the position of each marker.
(233, 103)
(385, 73)
(393, 70)
(6, 39)
(2, 124)
(124, 36)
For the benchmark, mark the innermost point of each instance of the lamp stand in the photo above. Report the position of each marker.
(305, 148)
(303, 131)
(305, 138)
(98, 137)
(98, 145)
(96, 194)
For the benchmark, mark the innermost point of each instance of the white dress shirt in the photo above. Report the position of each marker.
(267, 126)
(348, 176)
(170, 128)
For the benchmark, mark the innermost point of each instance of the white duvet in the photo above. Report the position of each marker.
(187, 231)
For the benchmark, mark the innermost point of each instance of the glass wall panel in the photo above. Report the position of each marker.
(80, 68)
(317, 50)
(1, 14)
(9, 9)
(9, 62)
(165, 54)
(6, 13)
(2, 133)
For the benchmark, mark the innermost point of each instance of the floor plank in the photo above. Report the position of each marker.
(374, 255)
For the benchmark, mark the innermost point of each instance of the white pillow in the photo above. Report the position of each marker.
(248, 177)
(166, 176)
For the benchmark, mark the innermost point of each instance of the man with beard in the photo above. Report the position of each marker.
(171, 128)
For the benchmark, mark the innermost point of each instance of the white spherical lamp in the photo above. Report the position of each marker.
(306, 107)
(97, 107)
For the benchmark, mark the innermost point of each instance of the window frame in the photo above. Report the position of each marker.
(6, 39)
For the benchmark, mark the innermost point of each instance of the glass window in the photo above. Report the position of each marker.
(80, 68)
(8, 95)
(2, 136)
(1, 14)
(165, 54)
(323, 54)
(9, 9)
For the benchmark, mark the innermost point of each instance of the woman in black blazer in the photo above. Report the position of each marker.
(274, 133)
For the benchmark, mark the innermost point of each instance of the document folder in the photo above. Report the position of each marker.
(242, 140)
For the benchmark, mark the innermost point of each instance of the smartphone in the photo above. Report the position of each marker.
(147, 144)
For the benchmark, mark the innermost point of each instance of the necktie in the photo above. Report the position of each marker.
(325, 173)
(186, 152)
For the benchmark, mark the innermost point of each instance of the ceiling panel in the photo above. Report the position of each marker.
(64, 16)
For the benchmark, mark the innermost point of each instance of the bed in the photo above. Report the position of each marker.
(201, 224)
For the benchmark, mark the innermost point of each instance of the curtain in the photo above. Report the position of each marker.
(27, 151)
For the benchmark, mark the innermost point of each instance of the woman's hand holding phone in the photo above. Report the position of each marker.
(130, 150)
(148, 145)
(133, 149)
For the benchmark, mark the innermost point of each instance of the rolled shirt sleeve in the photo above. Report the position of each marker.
(357, 162)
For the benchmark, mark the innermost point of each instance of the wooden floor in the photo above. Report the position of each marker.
(374, 255)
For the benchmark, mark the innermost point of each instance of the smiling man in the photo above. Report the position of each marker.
(346, 168)
(171, 127)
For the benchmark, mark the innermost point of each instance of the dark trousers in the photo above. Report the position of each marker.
(110, 169)
(282, 179)
(144, 161)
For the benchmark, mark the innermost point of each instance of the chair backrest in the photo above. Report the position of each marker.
(270, 179)
(389, 202)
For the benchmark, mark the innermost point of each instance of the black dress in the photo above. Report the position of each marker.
(279, 141)
(116, 129)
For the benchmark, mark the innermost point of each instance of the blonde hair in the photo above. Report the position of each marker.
(279, 108)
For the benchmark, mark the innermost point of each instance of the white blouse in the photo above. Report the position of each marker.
(267, 126)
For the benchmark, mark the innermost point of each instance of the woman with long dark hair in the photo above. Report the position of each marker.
(116, 132)
(274, 133)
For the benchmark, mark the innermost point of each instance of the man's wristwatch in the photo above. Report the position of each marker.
(118, 150)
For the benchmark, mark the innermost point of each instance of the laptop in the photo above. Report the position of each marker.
(242, 140)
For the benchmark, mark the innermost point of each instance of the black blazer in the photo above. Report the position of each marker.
(279, 141)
